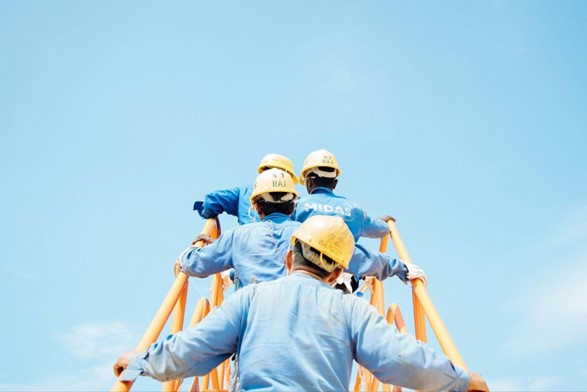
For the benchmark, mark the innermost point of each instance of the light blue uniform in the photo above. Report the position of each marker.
(323, 201)
(257, 252)
(235, 201)
(298, 334)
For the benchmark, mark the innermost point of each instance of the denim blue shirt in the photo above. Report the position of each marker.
(235, 201)
(257, 252)
(298, 333)
(323, 201)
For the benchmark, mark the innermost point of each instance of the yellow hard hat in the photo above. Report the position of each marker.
(320, 158)
(272, 181)
(328, 235)
(277, 161)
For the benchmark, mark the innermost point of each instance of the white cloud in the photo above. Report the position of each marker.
(96, 378)
(91, 350)
(92, 340)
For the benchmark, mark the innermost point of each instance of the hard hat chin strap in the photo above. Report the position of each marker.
(318, 258)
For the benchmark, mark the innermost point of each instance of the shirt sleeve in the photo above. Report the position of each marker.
(399, 359)
(217, 202)
(367, 263)
(212, 258)
(197, 350)
(373, 228)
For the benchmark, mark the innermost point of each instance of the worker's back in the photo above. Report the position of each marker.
(298, 333)
(296, 337)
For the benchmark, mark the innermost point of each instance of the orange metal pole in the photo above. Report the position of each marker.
(438, 326)
(202, 309)
(419, 290)
(157, 323)
(394, 316)
(156, 326)
(379, 284)
(176, 326)
(419, 319)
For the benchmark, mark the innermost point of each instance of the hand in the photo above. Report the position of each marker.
(204, 238)
(477, 383)
(386, 218)
(177, 267)
(199, 206)
(415, 272)
(123, 362)
(227, 279)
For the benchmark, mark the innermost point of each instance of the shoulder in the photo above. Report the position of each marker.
(247, 228)
(357, 308)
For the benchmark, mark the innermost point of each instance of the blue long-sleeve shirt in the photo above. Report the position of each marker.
(297, 333)
(257, 252)
(235, 201)
(323, 201)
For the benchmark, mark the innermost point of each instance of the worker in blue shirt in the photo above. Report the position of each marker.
(298, 333)
(320, 176)
(257, 250)
(236, 201)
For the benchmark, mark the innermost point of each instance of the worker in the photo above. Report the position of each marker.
(320, 176)
(298, 333)
(236, 201)
(256, 251)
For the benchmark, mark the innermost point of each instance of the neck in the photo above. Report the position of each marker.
(302, 270)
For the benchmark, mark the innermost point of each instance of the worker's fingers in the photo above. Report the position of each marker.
(118, 369)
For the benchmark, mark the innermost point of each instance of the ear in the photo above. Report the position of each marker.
(334, 183)
(291, 208)
(258, 209)
(288, 260)
(309, 184)
(334, 275)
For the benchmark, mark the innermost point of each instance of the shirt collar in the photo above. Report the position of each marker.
(277, 217)
(322, 189)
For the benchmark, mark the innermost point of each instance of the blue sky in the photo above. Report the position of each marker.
(464, 120)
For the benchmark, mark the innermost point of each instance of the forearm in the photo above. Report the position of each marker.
(380, 265)
(375, 228)
(199, 263)
(399, 359)
(215, 203)
(171, 359)
(197, 350)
